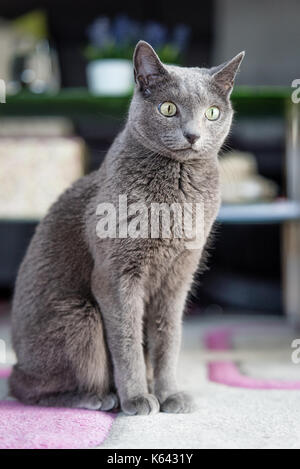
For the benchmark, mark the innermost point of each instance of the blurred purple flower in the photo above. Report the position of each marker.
(116, 38)
(181, 36)
(125, 30)
(99, 32)
(155, 33)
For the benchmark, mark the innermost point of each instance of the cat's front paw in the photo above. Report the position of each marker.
(178, 403)
(96, 402)
(110, 402)
(144, 404)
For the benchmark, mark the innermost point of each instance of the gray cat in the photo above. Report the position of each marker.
(96, 321)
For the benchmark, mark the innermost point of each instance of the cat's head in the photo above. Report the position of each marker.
(181, 112)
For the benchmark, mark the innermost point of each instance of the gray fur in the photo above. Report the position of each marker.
(89, 313)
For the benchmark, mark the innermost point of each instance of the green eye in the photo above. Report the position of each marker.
(167, 109)
(212, 113)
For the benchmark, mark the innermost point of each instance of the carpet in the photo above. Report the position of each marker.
(231, 413)
(228, 372)
(29, 427)
(240, 372)
(32, 427)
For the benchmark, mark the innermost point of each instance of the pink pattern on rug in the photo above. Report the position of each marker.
(5, 372)
(226, 372)
(219, 339)
(33, 427)
(29, 427)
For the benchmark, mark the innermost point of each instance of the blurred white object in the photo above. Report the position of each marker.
(110, 77)
(35, 171)
(42, 69)
(34, 66)
(240, 182)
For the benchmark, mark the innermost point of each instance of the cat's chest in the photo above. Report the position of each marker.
(188, 203)
(182, 184)
(166, 197)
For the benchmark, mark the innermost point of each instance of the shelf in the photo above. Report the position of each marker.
(273, 212)
(68, 102)
(247, 100)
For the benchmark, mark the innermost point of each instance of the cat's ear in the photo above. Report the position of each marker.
(225, 73)
(148, 69)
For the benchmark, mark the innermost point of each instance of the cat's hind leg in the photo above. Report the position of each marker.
(66, 363)
(22, 387)
(80, 401)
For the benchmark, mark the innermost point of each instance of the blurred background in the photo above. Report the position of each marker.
(68, 78)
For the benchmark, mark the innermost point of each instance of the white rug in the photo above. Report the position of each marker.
(226, 417)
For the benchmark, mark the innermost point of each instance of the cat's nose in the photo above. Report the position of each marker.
(191, 138)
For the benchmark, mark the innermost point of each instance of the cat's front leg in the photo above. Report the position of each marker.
(164, 339)
(164, 319)
(122, 308)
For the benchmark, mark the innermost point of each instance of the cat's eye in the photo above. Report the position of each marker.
(167, 109)
(212, 113)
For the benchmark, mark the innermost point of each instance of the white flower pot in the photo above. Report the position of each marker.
(110, 77)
